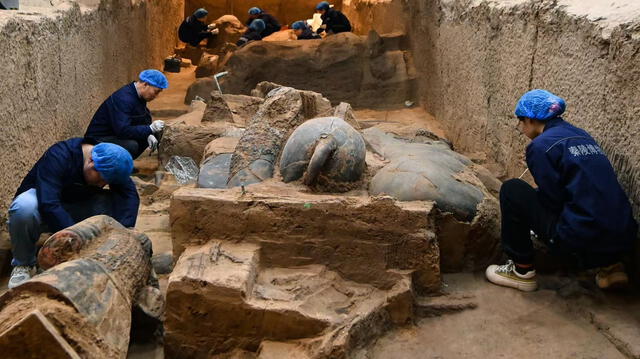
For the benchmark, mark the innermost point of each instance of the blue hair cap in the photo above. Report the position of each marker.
(200, 13)
(540, 105)
(257, 25)
(324, 5)
(255, 11)
(299, 25)
(154, 78)
(113, 162)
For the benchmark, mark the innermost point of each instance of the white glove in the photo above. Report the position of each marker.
(153, 142)
(215, 31)
(157, 126)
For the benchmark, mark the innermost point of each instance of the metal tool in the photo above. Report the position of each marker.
(217, 76)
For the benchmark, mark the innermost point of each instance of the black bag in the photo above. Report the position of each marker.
(172, 64)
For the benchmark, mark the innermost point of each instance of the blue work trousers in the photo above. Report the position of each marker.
(522, 212)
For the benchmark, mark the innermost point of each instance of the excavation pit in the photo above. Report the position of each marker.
(274, 255)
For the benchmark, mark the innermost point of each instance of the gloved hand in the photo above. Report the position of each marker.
(157, 126)
(215, 31)
(153, 143)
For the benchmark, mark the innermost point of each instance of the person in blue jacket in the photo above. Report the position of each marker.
(124, 119)
(271, 24)
(333, 21)
(579, 209)
(303, 32)
(194, 28)
(64, 187)
(253, 33)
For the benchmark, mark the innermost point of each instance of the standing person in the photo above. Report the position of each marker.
(194, 28)
(63, 188)
(333, 21)
(124, 119)
(303, 31)
(271, 23)
(253, 33)
(579, 209)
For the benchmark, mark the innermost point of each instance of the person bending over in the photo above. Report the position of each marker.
(64, 187)
(303, 31)
(253, 33)
(579, 209)
(271, 24)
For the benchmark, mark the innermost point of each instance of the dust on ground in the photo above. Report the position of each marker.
(566, 322)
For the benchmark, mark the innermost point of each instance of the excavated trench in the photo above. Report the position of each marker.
(265, 268)
(257, 260)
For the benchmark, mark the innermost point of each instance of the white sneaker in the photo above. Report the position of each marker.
(506, 275)
(20, 274)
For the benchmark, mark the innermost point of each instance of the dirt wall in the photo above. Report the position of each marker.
(59, 64)
(477, 60)
(383, 16)
(286, 11)
(343, 67)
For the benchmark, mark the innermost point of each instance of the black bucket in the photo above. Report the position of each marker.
(172, 64)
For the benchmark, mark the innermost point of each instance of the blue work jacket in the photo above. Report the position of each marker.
(58, 171)
(124, 114)
(576, 180)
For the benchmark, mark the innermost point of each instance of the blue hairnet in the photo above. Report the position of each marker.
(323, 5)
(255, 11)
(540, 105)
(113, 162)
(299, 25)
(257, 25)
(154, 78)
(200, 13)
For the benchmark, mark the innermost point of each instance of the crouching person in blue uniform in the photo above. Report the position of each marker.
(194, 29)
(271, 25)
(579, 209)
(333, 21)
(65, 187)
(303, 32)
(253, 33)
(124, 118)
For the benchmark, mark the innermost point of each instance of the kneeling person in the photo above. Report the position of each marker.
(271, 25)
(579, 209)
(65, 187)
(194, 29)
(333, 21)
(303, 31)
(124, 118)
(253, 33)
